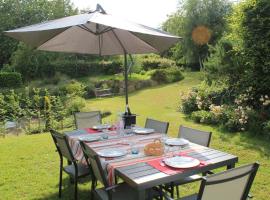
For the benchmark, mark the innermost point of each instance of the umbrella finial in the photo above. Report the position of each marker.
(100, 9)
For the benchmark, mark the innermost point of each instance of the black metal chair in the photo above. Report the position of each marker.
(87, 119)
(233, 184)
(158, 126)
(195, 136)
(121, 191)
(75, 170)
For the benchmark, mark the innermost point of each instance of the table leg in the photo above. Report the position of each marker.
(231, 166)
(141, 195)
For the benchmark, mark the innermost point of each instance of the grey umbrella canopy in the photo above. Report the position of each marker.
(97, 33)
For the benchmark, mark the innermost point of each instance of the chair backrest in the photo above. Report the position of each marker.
(233, 184)
(62, 145)
(87, 119)
(95, 164)
(195, 136)
(158, 126)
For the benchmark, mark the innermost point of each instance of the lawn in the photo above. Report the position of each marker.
(29, 164)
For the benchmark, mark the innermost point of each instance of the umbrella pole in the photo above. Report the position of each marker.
(126, 78)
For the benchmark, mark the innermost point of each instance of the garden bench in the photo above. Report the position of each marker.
(103, 92)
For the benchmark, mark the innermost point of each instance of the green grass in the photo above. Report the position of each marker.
(29, 164)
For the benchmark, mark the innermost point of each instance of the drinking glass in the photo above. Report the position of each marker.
(134, 148)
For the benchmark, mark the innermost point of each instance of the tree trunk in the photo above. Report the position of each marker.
(201, 63)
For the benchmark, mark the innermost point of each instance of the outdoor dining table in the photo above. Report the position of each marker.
(143, 172)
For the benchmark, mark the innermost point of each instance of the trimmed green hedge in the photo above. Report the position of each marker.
(82, 68)
(157, 63)
(10, 79)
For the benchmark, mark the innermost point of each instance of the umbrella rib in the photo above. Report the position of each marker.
(89, 30)
(144, 42)
(106, 30)
(86, 29)
(121, 44)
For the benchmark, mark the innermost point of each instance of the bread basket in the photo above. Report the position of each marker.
(155, 148)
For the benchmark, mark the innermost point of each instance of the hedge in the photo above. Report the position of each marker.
(82, 68)
(10, 79)
(157, 63)
(168, 75)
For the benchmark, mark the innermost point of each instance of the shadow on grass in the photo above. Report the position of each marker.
(159, 86)
(256, 142)
(249, 141)
(68, 191)
(136, 92)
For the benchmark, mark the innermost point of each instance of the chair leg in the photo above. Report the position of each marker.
(71, 180)
(60, 179)
(177, 192)
(172, 190)
(75, 181)
(93, 186)
(75, 188)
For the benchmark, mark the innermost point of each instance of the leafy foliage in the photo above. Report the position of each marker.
(191, 15)
(168, 75)
(204, 117)
(154, 62)
(15, 14)
(10, 79)
(34, 105)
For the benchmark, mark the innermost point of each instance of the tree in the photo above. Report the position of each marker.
(15, 14)
(59, 110)
(196, 20)
(256, 47)
(242, 57)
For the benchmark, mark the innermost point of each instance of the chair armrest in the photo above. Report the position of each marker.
(112, 187)
(210, 172)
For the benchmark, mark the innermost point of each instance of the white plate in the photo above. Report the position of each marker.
(102, 126)
(89, 138)
(143, 131)
(111, 153)
(177, 142)
(181, 162)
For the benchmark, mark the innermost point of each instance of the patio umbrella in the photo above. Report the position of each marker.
(95, 32)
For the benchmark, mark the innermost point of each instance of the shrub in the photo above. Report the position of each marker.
(216, 94)
(159, 76)
(174, 74)
(204, 117)
(266, 127)
(236, 119)
(157, 63)
(169, 75)
(75, 104)
(218, 113)
(255, 124)
(165, 63)
(150, 63)
(189, 103)
(82, 68)
(10, 79)
(74, 88)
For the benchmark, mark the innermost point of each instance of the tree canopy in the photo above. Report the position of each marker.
(197, 20)
(15, 14)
